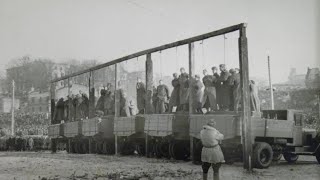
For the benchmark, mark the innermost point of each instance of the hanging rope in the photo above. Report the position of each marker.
(224, 48)
(177, 60)
(160, 64)
(203, 56)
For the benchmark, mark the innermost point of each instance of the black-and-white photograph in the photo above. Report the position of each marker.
(159, 90)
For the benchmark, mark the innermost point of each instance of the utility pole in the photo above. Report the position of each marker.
(270, 84)
(12, 110)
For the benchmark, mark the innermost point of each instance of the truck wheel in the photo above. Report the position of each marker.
(290, 158)
(262, 155)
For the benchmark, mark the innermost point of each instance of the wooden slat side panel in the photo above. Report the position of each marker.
(90, 127)
(71, 129)
(54, 130)
(106, 127)
(159, 124)
(226, 124)
(275, 128)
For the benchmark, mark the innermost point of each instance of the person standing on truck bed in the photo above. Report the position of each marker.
(209, 100)
(100, 102)
(162, 98)
(224, 89)
(211, 154)
(254, 98)
(174, 99)
(197, 94)
(184, 90)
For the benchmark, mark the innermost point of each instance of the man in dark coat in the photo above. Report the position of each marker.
(197, 94)
(184, 90)
(209, 97)
(100, 102)
(234, 82)
(141, 92)
(59, 111)
(124, 103)
(174, 99)
(154, 99)
(163, 98)
(224, 88)
(84, 106)
(109, 100)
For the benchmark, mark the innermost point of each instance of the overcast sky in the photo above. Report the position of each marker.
(108, 29)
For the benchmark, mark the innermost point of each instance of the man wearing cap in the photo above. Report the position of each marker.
(230, 89)
(209, 96)
(224, 88)
(197, 94)
(184, 90)
(141, 92)
(163, 97)
(174, 99)
(211, 154)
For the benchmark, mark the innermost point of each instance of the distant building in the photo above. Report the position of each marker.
(312, 79)
(60, 70)
(38, 102)
(6, 104)
(296, 79)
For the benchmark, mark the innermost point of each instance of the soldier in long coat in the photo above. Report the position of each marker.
(224, 88)
(174, 99)
(197, 94)
(209, 96)
(184, 89)
(141, 92)
(154, 99)
(162, 97)
(254, 98)
(59, 111)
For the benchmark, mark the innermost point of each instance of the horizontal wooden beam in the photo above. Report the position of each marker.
(156, 49)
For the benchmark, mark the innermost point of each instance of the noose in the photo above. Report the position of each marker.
(160, 65)
(203, 56)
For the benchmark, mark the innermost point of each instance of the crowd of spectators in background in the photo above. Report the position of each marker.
(25, 123)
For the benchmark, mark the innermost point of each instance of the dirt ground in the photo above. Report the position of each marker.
(45, 166)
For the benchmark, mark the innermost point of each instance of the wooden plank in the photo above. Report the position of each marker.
(191, 74)
(159, 48)
(117, 106)
(246, 112)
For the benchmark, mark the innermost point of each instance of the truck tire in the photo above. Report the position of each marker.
(290, 158)
(262, 155)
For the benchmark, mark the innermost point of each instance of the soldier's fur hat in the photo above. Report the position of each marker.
(211, 123)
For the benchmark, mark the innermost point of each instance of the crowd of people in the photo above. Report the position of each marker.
(25, 123)
(215, 92)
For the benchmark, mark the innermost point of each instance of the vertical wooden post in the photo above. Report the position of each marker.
(116, 104)
(149, 84)
(69, 101)
(246, 112)
(191, 81)
(91, 95)
(149, 87)
(52, 103)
